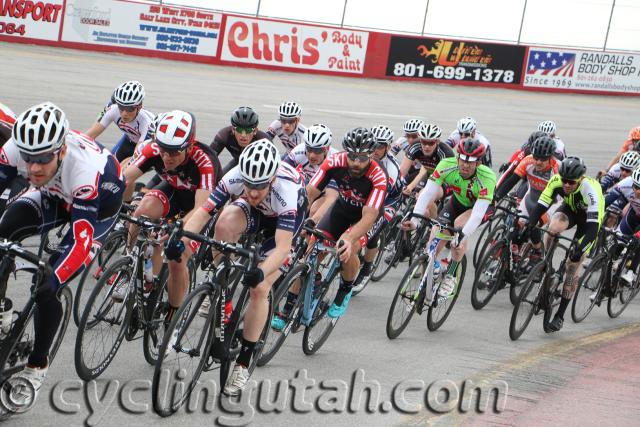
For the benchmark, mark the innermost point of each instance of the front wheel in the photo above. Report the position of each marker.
(440, 308)
(489, 275)
(587, 293)
(528, 303)
(406, 298)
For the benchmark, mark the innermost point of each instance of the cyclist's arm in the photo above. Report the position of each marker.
(506, 184)
(431, 193)
(95, 130)
(413, 184)
(477, 214)
(131, 174)
(198, 217)
(405, 165)
(275, 260)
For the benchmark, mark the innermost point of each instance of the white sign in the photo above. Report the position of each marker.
(142, 26)
(283, 44)
(31, 19)
(583, 70)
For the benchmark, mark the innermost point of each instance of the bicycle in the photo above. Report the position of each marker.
(500, 264)
(17, 343)
(602, 279)
(411, 297)
(204, 343)
(315, 276)
(140, 308)
(540, 291)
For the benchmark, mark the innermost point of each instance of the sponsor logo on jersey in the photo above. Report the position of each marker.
(110, 186)
(85, 192)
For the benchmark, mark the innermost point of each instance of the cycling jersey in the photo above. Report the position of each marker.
(560, 152)
(454, 140)
(537, 180)
(298, 159)
(88, 185)
(136, 130)
(289, 141)
(611, 178)
(394, 187)
(284, 201)
(200, 170)
(414, 152)
(226, 139)
(587, 198)
(400, 144)
(7, 120)
(370, 189)
(621, 194)
(466, 191)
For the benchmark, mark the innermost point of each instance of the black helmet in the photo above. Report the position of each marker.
(543, 147)
(244, 117)
(529, 143)
(359, 140)
(572, 168)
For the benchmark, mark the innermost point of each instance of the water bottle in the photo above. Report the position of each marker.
(148, 269)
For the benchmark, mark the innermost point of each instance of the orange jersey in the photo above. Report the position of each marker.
(537, 179)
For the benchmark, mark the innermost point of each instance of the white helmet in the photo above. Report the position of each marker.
(466, 125)
(129, 94)
(412, 125)
(630, 160)
(430, 131)
(40, 129)
(547, 127)
(290, 110)
(636, 177)
(383, 134)
(317, 136)
(259, 161)
(176, 130)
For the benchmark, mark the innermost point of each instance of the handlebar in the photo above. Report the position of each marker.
(17, 250)
(320, 235)
(433, 222)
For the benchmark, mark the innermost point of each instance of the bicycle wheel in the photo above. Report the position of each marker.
(590, 283)
(155, 312)
(489, 275)
(321, 326)
(276, 338)
(66, 300)
(405, 299)
(180, 362)
(528, 302)
(104, 322)
(388, 253)
(440, 308)
(520, 273)
(496, 231)
(113, 246)
(621, 294)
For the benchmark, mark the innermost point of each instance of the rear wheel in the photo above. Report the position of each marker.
(388, 253)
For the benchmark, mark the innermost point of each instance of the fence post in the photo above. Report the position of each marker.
(524, 11)
(344, 11)
(424, 21)
(606, 36)
(258, 9)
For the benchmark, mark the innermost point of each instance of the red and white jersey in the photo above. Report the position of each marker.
(6, 115)
(136, 130)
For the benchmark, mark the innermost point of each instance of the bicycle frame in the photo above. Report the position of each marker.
(311, 297)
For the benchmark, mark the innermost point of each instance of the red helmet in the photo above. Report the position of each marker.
(634, 133)
(471, 150)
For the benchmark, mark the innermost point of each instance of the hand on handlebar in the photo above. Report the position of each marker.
(409, 225)
(253, 277)
(344, 249)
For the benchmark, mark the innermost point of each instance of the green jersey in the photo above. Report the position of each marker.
(587, 198)
(480, 186)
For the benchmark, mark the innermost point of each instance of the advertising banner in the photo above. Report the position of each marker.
(142, 26)
(31, 19)
(284, 44)
(583, 70)
(444, 59)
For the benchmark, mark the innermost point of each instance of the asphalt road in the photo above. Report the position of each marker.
(471, 345)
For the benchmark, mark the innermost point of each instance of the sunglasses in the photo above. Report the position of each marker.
(170, 153)
(315, 150)
(252, 186)
(569, 181)
(465, 134)
(129, 109)
(287, 121)
(625, 170)
(247, 131)
(429, 142)
(41, 159)
(356, 157)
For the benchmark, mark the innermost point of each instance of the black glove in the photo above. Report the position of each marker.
(173, 250)
(309, 223)
(575, 254)
(253, 277)
(503, 167)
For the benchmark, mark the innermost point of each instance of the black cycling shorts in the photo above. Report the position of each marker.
(453, 209)
(173, 201)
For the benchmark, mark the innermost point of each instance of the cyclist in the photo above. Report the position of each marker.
(549, 128)
(427, 154)
(75, 180)
(410, 135)
(632, 143)
(536, 169)
(270, 198)
(583, 207)
(383, 139)
(127, 113)
(7, 119)
(470, 205)
(621, 170)
(19, 184)
(243, 131)
(362, 187)
(467, 128)
(189, 171)
(288, 128)
(307, 158)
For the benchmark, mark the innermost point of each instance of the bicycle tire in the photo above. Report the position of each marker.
(122, 266)
(494, 234)
(518, 280)
(401, 294)
(184, 318)
(66, 299)
(390, 251)
(157, 305)
(433, 321)
(531, 294)
(587, 288)
(498, 253)
(621, 296)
